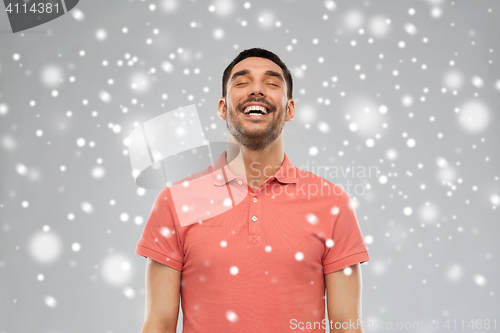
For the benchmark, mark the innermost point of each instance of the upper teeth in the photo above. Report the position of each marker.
(250, 108)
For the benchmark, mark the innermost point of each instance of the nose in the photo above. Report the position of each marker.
(257, 89)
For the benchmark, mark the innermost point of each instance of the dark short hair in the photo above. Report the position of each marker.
(260, 53)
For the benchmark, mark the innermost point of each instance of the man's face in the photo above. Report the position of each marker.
(255, 82)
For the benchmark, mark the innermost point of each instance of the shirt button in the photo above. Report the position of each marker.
(240, 182)
(254, 199)
(254, 218)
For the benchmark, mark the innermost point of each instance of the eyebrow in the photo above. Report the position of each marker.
(246, 72)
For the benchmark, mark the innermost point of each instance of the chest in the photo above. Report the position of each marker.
(262, 234)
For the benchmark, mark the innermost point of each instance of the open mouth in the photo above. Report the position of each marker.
(256, 111)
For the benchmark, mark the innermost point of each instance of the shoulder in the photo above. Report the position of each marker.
(323, 186)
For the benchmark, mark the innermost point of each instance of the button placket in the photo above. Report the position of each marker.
(255, 219)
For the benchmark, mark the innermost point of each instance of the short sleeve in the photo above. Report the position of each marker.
(160, 240)
(348, 244)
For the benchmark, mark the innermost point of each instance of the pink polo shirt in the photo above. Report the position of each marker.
(259, 265)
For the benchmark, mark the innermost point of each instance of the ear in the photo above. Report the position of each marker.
(221, 108)
(290, 110)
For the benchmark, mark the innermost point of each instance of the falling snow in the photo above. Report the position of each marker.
(410, 90)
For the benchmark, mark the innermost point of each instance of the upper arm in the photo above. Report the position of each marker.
(162, 297)
(343, 295)
(347, 243)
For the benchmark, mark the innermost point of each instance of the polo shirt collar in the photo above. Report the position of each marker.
(222, 175)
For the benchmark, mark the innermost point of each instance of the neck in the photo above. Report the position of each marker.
(256, 166)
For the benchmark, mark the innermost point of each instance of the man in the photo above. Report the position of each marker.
(264, 264)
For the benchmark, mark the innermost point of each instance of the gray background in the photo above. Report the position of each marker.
(439, 262)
